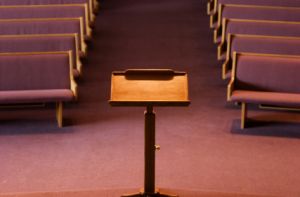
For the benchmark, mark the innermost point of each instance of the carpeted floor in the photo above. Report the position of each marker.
(118, 192)
(100, 151)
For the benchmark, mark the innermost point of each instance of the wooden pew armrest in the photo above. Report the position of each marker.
(225, 69)
(230, 88)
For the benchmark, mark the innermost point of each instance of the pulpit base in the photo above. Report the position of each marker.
(155, 194)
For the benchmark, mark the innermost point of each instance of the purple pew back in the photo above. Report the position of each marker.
(43, 26)
(261, 73)
(34, 72)
(42, 43)
(273, 28)
(48, 11)
(261, 13)
(290, 3)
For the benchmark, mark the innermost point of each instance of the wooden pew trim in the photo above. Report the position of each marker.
(59, 114)
(230, 86)
(72, 80)
(243, 114)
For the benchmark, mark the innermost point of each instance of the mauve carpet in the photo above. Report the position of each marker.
(100, 151)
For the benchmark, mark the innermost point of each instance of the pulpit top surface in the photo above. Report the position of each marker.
(142, 87)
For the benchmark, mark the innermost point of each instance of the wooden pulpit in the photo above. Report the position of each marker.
(149, 88)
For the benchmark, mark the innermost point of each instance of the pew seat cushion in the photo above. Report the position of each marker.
(271, 98)
(35, 96)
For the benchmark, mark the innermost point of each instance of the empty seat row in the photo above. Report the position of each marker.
(92, 5)
(255, 27)
(49, 11)
(258, 44)
(264, 79)
(213, 5)
(41, 46)
(37, 77)
(15, 30)
(43, 43)
(273, 13)
(285, 45)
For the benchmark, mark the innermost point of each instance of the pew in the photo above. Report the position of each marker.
(255, 79)
(256, 27)
(254, 12)
(258, 44)
(43, 43)
(43, 77)
(214, 5)
(48, 11)
(88, 3)
(45, 26)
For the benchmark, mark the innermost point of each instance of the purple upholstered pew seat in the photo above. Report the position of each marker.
(213, 7)
(256, 27)
(45, 26)
(265, 79)
(48, 11)
(43, 43)
(256, 13)
(37, 77)
(258, 44)
(88, 3)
